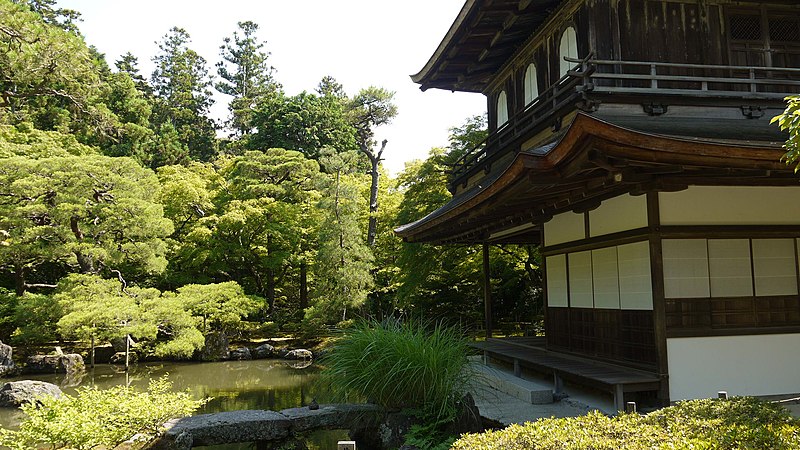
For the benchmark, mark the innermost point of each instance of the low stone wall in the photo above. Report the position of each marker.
(259, 425)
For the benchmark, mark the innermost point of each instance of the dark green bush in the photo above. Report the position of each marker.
(741, 423)
(401, 365)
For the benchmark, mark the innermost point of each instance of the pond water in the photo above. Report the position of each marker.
(233, 385)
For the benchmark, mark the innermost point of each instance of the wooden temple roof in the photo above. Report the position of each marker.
(592, 160)
(483, 37)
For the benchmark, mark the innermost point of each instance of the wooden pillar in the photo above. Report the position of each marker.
(487, 290)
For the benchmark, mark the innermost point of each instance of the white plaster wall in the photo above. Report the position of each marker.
(730, 205)
(565, 227)
(556, 267)
(626, 212)
(740, 365)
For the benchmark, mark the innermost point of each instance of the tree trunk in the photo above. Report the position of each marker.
(19, 280)
(270, 278)
(303, 285)
(91, 358)
(375, 160)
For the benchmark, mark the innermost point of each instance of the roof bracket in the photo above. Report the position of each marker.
(752, 112)
(655, 109)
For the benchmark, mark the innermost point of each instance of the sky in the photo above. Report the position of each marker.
(358, 42)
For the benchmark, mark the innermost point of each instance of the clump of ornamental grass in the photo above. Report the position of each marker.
(99, 418)
(415, 365)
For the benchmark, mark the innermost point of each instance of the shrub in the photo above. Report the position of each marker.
(99, 418)
(739, 423)
(401, 365)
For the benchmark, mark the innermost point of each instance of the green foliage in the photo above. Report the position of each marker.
(246, 76)
(344, 261)
(305, 122)
(182, 86)
(428, 436)
(24, 140)
(33, 316)
(789, 121)
(99, 418)
(91, 212)
(738, 423)
(103, 309)
(221, 306)
(401, 365)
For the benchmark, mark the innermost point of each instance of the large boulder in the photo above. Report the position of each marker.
(7, 366)
(103, 354)
(263, 351)
(301, 354)
(119, 358)
(17, 393)
(240, 354)
(70, 363)
(216, 347)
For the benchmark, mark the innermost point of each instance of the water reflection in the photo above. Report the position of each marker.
(234, 385)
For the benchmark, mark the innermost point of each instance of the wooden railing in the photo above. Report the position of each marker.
(593, 78)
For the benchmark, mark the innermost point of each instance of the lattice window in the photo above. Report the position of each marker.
(745, 27)
(784, 29)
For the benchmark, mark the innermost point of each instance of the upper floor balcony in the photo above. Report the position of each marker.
(675, 99)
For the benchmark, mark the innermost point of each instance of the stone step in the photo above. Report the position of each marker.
(504, 381)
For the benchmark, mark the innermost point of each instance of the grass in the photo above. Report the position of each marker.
(398, 364)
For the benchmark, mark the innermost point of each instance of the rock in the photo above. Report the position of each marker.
(263, 351)
(299, 354)
(70, 363)
(103, 354)
(16, 393)
(7, 366)
(281, 352)
(468, 419)
(227, 427)
(338, 416)
(119, 358)
(119, 344)
(216, 347)
(240, 354)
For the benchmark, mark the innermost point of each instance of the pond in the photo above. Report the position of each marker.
(233, 385)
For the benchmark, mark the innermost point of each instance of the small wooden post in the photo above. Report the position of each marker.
(346, 445)
(630, 407)
(91, 359)
(487, 290)
(127, 351)
(722, 395)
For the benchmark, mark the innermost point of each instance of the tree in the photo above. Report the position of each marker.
(181, 85)
(344, 261)
(48, 74)
(129, 64)
(93, 213)
(221, 307)
(466, 137)
(789, 121)
(305, 122)
(246, 76)
(63, 18)
(371, 108)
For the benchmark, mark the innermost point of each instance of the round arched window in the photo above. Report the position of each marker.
(531, 87)
(568, 48)
(502, 109)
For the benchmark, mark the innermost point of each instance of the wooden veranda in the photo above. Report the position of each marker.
(530, 353)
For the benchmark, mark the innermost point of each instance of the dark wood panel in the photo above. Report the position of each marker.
(625, 336)
(736, 315)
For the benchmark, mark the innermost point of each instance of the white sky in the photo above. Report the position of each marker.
(359, 42)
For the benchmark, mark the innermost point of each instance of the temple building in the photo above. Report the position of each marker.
(631, 139)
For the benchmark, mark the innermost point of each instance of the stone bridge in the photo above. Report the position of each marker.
(264, 427)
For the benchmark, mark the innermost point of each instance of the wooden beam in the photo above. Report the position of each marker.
(487, 290)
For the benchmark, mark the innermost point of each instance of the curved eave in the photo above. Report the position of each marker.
(568, 159)
(446, 43)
